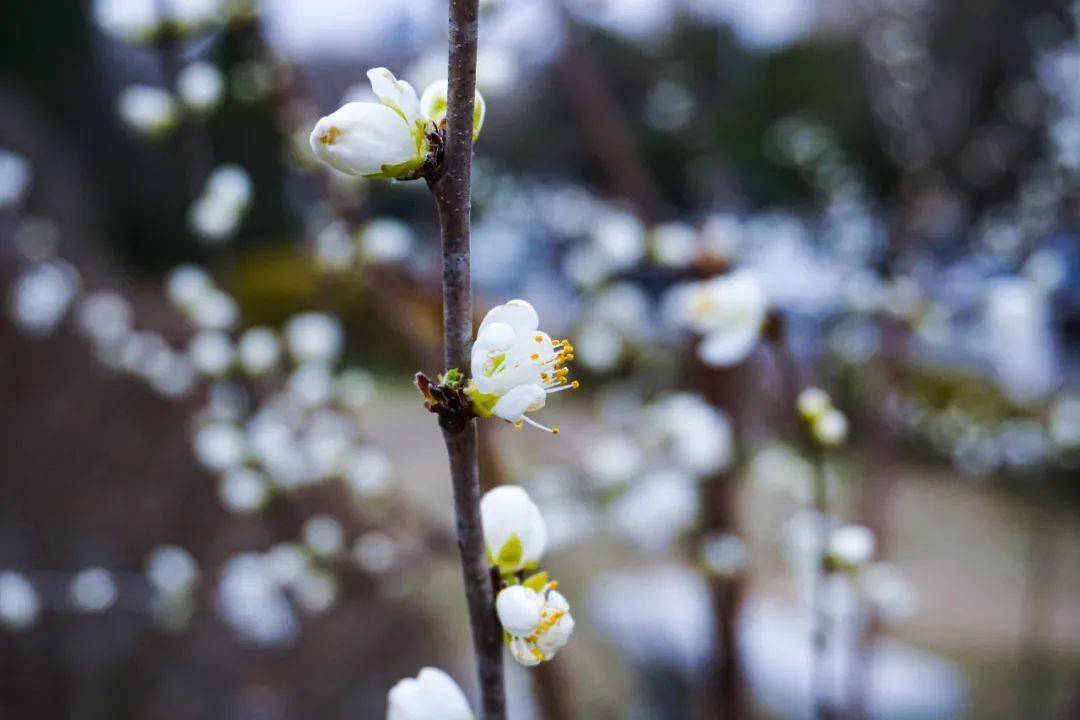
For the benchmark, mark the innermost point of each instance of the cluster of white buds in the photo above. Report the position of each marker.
(535, 617)
(728, 311)
(431, 695)
(390, 139)
(515, 366)
(828, 425)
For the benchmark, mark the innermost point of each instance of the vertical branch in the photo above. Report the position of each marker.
(819, 635)
(452, 191)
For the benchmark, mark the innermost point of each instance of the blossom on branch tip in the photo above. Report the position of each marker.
(537, 622)
(431, 695)
(515, 366)
(391, 139)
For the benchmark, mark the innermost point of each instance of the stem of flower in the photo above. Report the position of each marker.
(452, 190)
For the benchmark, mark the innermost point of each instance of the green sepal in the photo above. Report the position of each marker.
(507, 639)
(536, 582)
(451, 378)
(483, 403)
(406, 170)
(510, 555)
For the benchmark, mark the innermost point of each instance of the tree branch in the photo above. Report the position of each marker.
(452, 190)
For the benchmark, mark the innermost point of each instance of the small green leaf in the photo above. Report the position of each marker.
(451, 377)
(510, 555)
(536, 582)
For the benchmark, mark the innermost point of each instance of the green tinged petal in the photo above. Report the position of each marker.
(510, 555)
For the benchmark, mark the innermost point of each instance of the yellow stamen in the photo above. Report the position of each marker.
(554, 430)
(330, 136)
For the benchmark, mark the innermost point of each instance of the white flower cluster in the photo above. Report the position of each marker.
(142, 21)
(154, 112)
(388, 139)
(535, 616)
(647, 471)
(431, 695)
(216, 215)
(381, 241)
(515, 365)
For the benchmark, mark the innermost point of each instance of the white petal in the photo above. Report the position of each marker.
(724, 348)
(361, 138)
(405, 701)
(508, 510)
(518, 314)
(519, 608)
(445, 699)
(518, 401)
(394, 93)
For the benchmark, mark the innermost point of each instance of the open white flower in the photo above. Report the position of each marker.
(515, 366)
(728, 311)
(537, 622)
(431, 695)
(388, 139)
(515, 535)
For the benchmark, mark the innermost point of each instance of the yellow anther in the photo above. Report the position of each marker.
(535, 356)
(330, 136)
(539, 338)
(554, 430)
(575, 384)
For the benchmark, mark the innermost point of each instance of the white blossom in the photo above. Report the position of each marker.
(538, 622)
(148, 110)
(515, 535)
(105, 317)
(1064, 421)
(515, 365)
(699, 436)
(368, 472)
(259, 351)
(851, 546)
(728, 311)
(251, 602)
(723, 554)
(374, 552)
(314, 337)
(831, 428)
(93, 590)
(20, 604)
(386, 240)
(655, 511)
(41, 295)
(15, 178)
(201, 86)
(220, 446)
(324, 535)
(674, 245)
(388, 139)
(431, 695)
(211, 352)
(171, 569)
(381, 140)
(216, 215)
(243, 490)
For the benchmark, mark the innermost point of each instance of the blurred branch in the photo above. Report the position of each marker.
(604, 125)
(452, 190)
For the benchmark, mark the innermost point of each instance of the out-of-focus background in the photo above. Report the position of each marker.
(221, 496)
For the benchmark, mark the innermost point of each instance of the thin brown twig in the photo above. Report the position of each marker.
(452, 190)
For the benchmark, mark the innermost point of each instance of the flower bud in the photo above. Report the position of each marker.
(431, 695)
(148, 110)
(367, 139)
(433, 106)
(514, 531)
